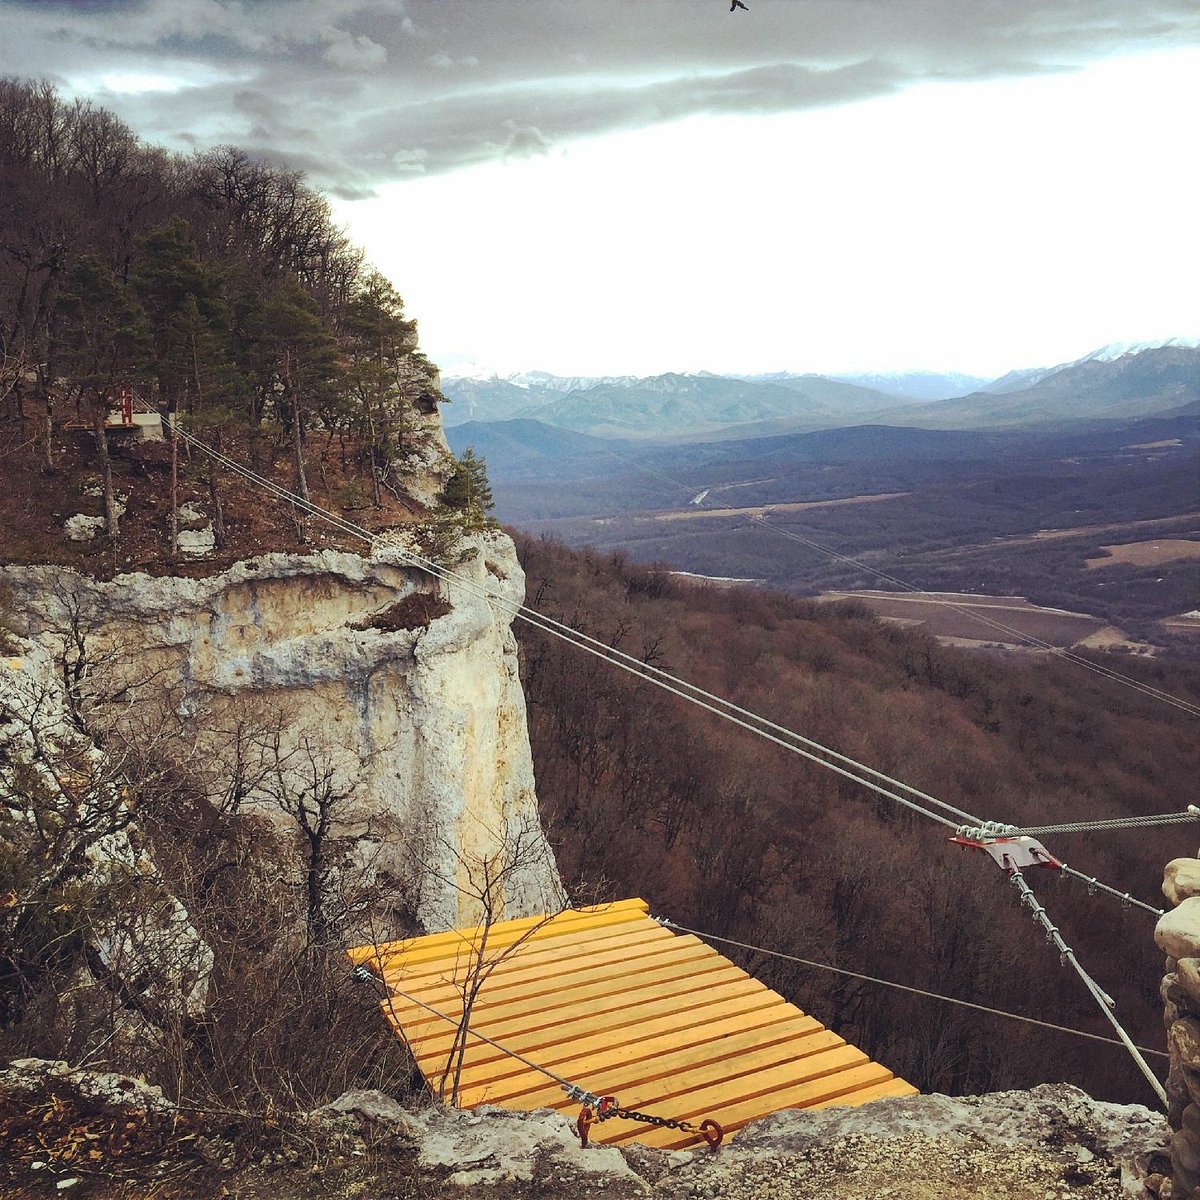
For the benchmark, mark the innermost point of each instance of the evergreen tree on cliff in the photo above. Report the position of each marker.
(378, 340)
(468, 488)
(304, 359)
(101, 336)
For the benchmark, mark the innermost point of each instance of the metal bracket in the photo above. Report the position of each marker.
(1012, 853)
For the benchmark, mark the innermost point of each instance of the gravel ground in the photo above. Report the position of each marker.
(103, 1137)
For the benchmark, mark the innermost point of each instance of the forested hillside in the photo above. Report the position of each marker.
(212, 288)
(726, 833)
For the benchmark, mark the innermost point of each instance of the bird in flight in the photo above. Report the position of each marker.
(736, 5)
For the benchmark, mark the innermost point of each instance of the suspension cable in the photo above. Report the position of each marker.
(1150, 821)
(693, 693)
(745, 718)
(903, 987)
(1105, 1001)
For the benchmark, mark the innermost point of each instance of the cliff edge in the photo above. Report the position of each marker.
(402, 691)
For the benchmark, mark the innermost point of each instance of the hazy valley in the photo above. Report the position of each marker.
(1024, 502)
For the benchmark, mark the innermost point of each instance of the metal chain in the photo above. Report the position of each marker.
(632, 1114)
(609, 1106)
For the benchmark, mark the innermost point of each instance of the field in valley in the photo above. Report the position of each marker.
(1146, 554)
(959, 618)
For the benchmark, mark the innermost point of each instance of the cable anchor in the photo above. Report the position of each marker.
(1010, 854)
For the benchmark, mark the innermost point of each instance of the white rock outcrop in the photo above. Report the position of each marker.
(66, 816)
(424, 729)
(1050, 1143)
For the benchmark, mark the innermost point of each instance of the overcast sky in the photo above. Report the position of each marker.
(592, 186)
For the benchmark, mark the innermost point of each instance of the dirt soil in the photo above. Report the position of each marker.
(1049, 1143)
(36, 500)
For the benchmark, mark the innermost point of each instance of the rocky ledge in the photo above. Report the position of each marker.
(90, 1134)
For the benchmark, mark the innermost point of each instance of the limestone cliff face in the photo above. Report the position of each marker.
(421, 730)
(69, 833)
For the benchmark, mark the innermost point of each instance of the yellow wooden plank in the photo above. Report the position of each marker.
(612, 1000)
(863, 1095)
(449, 937)
(435, 945)
(468, 943)
(466, 947)
(527, 987)
(734, 999)
(571, 1005)
(616, 1067)
(712, 1017)
(675, 1070)
(430, 1051)
(525, 967)
(581, 945)
(734, 1115)
(748, 1075)
(705, 1092)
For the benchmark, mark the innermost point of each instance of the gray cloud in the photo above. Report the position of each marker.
(363, 91)
(524, 141)
(353, 51)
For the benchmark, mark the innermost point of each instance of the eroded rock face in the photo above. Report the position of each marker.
(422, 730)
(1181, 879)
(69, 834)
(1178, 936)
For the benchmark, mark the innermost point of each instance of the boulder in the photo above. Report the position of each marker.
(1187, 977)
(1178, 932)
(379, 1114)
(1183, 1041)
(490, 1145)
(1181, 879)
(1185, 1166)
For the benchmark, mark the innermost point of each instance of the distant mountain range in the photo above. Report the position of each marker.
(1158, 382)
(920, 385)
(1120, 381)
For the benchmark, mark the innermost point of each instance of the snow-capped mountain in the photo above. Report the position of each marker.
(1115, 350)
(567, 383)
(1119, 382)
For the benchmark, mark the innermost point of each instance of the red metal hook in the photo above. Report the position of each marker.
(586, 1120)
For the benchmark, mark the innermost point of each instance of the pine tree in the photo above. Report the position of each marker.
(304, 356)
(378, 340)
(100, 337)
(178, 294)
(468, 489)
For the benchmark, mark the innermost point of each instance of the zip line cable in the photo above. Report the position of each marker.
(663, 679)
(903, 987)
(1105, 1001)
(660, 679)
(1101, 669)
(1153, 821)
(745, 718)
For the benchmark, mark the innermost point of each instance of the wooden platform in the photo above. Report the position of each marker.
(611, 1000)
